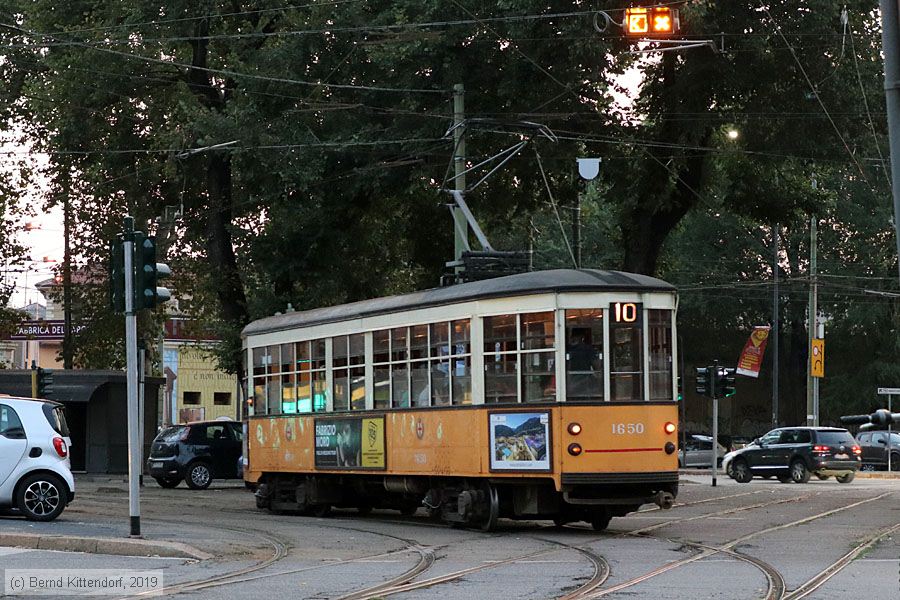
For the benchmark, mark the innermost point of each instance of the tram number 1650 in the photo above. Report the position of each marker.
(627, 428)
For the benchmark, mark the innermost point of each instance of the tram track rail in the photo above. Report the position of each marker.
(775, 588)
(821, 578)
(590, 589)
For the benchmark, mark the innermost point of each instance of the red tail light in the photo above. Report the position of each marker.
(856, 450)
(59, 445)
(824, 449)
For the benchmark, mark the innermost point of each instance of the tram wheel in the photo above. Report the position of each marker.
(493, 513)
(319, 510)
(600, 520)
(408, 510)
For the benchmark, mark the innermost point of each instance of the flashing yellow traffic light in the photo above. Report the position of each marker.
(654, 20)
(637, 21)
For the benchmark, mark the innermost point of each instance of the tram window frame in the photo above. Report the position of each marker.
(309, 366)
(258, 383)
(589, 323)
(508, 358)
(626, 341)
(348, 371)
(660, 354)
(273, 380)
(288, 380)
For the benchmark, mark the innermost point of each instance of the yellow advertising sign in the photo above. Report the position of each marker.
(373, 443)
(817, 358)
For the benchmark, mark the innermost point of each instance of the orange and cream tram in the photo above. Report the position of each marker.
(548, 394)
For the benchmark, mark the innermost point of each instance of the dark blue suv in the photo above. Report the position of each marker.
(796, 453)
(197, 453)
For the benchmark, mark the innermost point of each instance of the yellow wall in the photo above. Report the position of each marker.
(197, 373)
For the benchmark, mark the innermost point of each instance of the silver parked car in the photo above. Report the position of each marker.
(35, 474)
(697, 452)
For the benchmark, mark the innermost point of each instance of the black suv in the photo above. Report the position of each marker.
(795, 453)
(197, 452)
(875, 449)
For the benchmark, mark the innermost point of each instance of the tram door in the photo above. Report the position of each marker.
(584, 355)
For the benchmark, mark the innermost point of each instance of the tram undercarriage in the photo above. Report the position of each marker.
(467, 502)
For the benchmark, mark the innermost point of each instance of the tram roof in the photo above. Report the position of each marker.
(534, 282)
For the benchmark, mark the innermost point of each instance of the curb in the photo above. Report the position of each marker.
(859, 474)
(91, 545)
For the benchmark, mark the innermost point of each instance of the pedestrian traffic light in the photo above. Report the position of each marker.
(726, 383)
(703, 387)
(644, 21)
(680, 390)
(44, 383)
(147, 273)
(117, 275)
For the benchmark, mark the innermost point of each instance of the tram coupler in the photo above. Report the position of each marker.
(664, 500)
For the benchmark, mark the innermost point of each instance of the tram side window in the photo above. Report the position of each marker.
(626, 373)
(461, 361)
(584, 355)
(420, 389)
(400, 367)
(381, 350)
(259, 381)
(501, 361)
(288, 380)
(538, 334)
(357, 371)
(660, 339)
(273, 380)
(310, 367)
(339, 373)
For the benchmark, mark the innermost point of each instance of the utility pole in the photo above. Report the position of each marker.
(775, 318)
(460, 225)
(576, 230)
(890, 42)
(713, 381)
(134, 458)
(812, 416)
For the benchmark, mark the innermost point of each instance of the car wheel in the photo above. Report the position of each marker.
(822, 477)
(895, 462)
(799, 472)
(41, 497)
(742, 472)
(168, 482)
(198, 476)
(845, 478)
(867, 467)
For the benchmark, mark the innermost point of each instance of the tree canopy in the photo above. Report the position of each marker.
(303, 148)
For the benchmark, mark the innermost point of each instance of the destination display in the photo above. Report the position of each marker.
(520, 441)
(350, 443)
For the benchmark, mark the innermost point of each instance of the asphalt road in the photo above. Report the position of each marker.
(734, 541)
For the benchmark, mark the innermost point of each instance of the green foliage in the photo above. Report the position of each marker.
(332, 120)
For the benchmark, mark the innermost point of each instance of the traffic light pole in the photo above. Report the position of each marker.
(134, 454)
(713, 380)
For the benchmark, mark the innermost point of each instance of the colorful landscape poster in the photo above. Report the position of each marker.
(520, 441)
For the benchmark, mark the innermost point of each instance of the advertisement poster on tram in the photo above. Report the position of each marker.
(520, 441)
(351, 443)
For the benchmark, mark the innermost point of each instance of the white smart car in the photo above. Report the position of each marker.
(35, 475)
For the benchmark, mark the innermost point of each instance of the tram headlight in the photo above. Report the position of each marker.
(670, 427)
(574, 428)
(670, 447)
(575, 449)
